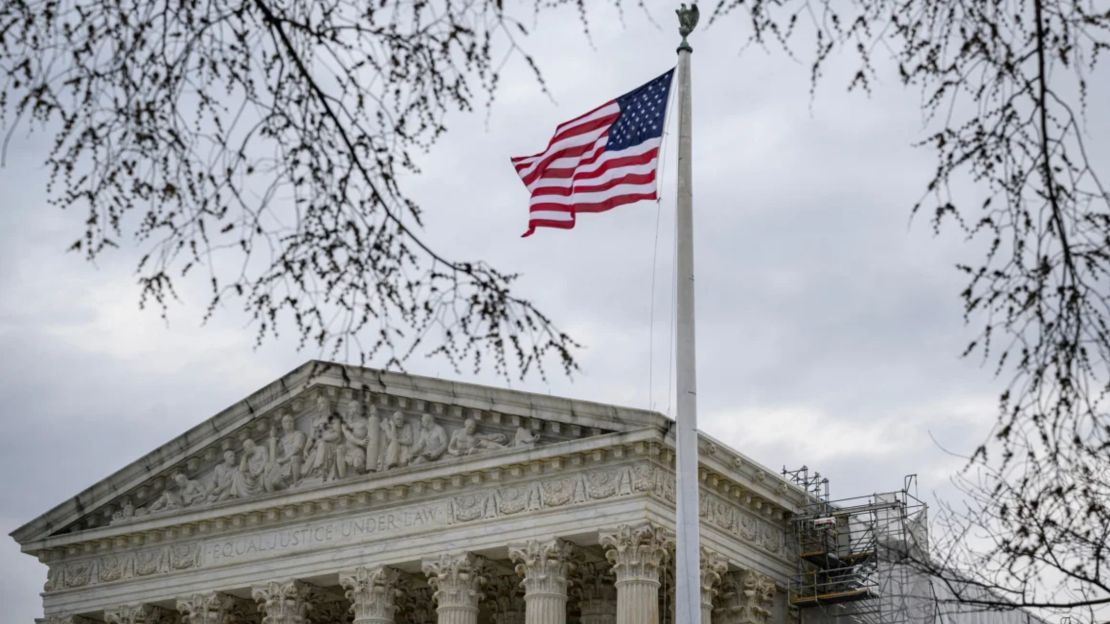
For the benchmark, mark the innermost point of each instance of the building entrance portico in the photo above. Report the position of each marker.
(340, 494)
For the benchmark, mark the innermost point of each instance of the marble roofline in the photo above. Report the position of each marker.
(719, 473)
(273, 395)
(716, 457)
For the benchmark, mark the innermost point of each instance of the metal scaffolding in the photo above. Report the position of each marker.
(851, 553)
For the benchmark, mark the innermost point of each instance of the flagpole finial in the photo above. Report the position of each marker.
(687, 21)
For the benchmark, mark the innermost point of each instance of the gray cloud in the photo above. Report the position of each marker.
(829, 328)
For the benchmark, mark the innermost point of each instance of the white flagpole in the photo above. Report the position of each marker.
(688, 565)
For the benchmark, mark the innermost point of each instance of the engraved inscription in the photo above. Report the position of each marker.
(335, 532)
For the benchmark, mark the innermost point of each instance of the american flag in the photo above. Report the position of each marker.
(600, 160)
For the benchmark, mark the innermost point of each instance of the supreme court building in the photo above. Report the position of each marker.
(343, 494)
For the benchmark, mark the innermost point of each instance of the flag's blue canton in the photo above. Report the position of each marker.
(642, 113)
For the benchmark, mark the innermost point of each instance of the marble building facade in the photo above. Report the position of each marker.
(339, 494)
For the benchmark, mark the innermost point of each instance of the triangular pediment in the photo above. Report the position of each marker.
(324, 424)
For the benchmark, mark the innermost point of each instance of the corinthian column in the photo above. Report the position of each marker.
(637, 552)
(759, 598)
(544, 566)
(457, 582)
(373, 593)
(140, 614)
(747, 597)
(284, 602)
(216, 608)
(713, 567)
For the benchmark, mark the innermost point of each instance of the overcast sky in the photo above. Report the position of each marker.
(829, 325)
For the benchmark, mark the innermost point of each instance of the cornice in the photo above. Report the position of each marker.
(363, 491)
(493, 403)
(416, 483)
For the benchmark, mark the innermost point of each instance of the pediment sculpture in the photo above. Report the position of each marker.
(338, 444)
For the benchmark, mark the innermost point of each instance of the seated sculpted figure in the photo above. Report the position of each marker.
(431, 441)
(255, 469)
(399, 441)
(467, 440)
(290, 447)
(228, 479)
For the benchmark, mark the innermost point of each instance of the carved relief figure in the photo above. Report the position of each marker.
(399, 440)
(191, 490)
(354, 438)
(186, 492)
(323, 412)
(169, 499)
(525, 437)
(338, 445)
(324, 450)
(290, 447)
(467, 440)
(431, 441)
(374, 440)
(125, 512)
(254, 470)
(227, 479)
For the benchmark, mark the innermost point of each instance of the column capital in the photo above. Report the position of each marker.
(456, 580)
(216, 608)
(373, 593)
(713, 568)
(283, 602)
(544, 564)
(747, 597)
(140, 614)
(637, 551)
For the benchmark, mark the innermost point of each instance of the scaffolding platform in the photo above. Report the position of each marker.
(817, 600)
(847, 550)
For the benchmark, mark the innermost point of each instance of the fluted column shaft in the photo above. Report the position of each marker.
(544, 566)
(637, 600)
(457, 581)
(456, 614)
(637, 553)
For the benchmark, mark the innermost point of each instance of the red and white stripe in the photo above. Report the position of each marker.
(576, 174)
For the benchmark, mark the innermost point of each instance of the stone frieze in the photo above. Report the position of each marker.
(481, 504)
(332, 440)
